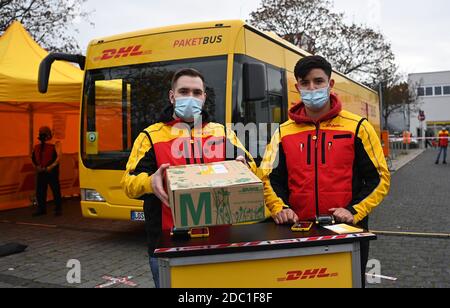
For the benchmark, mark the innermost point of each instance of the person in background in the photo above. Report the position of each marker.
(443, 145)
(45, 158)
(428, 138)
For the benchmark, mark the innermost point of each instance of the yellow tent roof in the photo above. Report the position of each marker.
(20, 57)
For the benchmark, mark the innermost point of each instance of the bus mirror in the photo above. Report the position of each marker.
(255, 82)
(46, 65)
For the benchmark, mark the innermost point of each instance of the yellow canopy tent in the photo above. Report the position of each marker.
(23, 110)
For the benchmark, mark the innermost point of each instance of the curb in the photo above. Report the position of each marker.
(406, 160)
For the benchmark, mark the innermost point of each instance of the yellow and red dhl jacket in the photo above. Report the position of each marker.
(176, 144)
(337, 162)
(443, 138)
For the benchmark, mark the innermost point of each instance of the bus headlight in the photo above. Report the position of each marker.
(91, 195)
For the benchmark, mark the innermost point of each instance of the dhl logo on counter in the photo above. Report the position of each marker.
(123, 52)
(198, 41)
(307, 274)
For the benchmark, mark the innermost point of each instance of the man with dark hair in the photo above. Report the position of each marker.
(183, 136)
(45, 160)
(304, 66)
(330, 161)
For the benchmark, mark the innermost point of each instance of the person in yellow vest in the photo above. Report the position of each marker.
(443, 145)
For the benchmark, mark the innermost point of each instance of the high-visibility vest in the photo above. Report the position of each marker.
(406, 137)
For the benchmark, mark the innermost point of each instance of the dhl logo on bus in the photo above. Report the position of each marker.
(198, 41)
(123, 52)
(307, 274)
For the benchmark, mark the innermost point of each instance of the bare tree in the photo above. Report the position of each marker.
(354, 50)
(48, 21)
(398, 95)
(362, 53)
(301, 22)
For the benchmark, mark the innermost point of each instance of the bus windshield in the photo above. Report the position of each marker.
(120, 102)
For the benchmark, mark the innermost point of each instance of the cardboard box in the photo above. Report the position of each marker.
(214, 194)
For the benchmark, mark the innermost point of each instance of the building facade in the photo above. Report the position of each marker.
(433, 95)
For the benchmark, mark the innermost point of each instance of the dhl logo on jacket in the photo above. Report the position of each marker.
(337, 162)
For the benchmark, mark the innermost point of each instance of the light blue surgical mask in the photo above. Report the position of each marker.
(188, 108)
(317, 99)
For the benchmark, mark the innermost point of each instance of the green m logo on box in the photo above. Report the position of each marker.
(187, 207)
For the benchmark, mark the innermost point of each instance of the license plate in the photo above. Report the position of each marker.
(137, 216)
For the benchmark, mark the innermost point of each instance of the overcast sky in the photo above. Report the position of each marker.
(419, 31)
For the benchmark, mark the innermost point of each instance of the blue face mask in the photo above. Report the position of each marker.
(317, 99)
(188, 108)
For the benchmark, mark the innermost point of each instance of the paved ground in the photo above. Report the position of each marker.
(104, 248)
(418, 202)
(402, 160)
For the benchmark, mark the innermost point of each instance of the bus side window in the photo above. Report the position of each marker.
(276, 93)
(267, 113)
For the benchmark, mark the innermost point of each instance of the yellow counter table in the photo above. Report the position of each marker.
(262, 256)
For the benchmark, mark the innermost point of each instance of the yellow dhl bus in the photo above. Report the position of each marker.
(249, 78)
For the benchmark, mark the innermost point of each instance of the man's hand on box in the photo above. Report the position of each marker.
(158, 186)
(287, 216)
(241, 159)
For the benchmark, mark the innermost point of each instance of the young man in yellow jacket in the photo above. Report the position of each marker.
(183, 136)
(324, 160)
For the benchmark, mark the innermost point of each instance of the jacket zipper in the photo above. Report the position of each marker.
(317, 169)
(308, 151)
(200, 151)
(323, 149)
(191, 148)
(187, 156)
(193, 151)
(195, 159)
